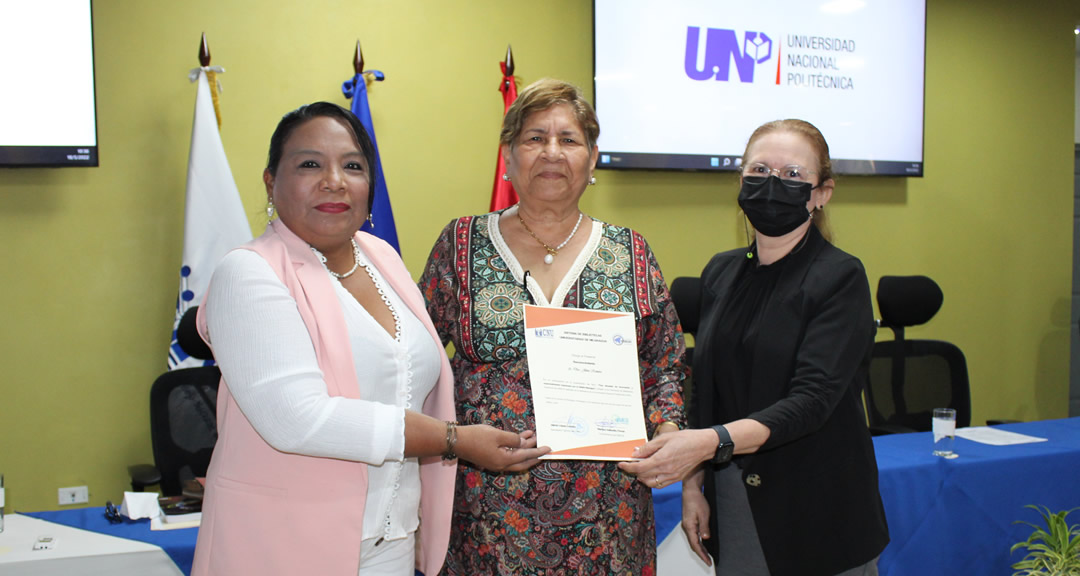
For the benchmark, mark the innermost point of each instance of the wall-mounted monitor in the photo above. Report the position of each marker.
(681, 84)
(48, 111)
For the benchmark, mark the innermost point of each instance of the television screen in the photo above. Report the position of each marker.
(48, 113)
(682, 84)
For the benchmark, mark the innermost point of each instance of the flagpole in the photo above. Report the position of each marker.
(509, 70)
(381, 223)
(211, 76)
(503, 194)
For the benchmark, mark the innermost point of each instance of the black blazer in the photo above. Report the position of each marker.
(813, 486)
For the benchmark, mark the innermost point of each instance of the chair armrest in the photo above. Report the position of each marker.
(143, 475)
(1000, 421)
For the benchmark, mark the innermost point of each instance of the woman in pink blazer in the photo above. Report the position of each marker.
(337, 449)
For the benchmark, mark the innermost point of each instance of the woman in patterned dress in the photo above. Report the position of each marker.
(561, 516)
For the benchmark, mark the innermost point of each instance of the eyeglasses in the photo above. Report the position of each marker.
(793, 173)
(112, 514)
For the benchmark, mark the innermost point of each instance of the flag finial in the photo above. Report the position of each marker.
(509, 61)
(204, 51)
(358, 59)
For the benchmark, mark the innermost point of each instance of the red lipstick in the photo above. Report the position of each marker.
(332, 207)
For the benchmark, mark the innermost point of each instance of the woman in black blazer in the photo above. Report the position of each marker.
(779, 475)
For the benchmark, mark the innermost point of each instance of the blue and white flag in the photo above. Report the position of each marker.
(382, 215)
(214, 219)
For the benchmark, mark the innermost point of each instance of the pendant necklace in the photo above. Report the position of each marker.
(552, 252)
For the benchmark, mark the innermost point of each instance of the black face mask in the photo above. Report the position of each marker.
(773, 207)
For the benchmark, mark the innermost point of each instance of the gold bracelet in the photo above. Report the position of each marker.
(451, 440)
(660, 425)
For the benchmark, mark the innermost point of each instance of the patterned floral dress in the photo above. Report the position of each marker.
(562, 516)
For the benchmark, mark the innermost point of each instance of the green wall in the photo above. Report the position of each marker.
(90, 270)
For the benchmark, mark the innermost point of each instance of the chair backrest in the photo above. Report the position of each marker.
(931, 374)
(183, 413)
(909, 378)
(686, 295)
(183, 424)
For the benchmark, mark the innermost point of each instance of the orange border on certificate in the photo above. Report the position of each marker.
(624, 449)
(543, 316)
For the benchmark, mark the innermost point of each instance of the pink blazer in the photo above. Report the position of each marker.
(268, 512)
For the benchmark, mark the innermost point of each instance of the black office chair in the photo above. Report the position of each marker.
(909, 378)
(686, 295)
(183, 419)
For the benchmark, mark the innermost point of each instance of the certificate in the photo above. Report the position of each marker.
(586, 389)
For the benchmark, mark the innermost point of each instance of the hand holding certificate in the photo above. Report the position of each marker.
(583, 366)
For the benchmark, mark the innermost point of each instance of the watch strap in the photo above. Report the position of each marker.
(725, 447)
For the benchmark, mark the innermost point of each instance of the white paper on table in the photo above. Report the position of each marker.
(996, 436)
(586, 388)
(140, 505)
(164, 522)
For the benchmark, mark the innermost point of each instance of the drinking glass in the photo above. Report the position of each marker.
(944, 427)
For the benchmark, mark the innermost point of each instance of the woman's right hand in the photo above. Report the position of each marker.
(498, 450)
(695, 520)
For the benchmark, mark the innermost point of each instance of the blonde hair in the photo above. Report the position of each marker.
(817, 142)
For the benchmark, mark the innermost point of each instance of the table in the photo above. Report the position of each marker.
(958, 516)
(946, 517)
(179, 544)
(75, 551)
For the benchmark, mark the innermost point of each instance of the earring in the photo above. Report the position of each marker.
(371, 220)
(270, 210)
(506, 177)
(592, 181)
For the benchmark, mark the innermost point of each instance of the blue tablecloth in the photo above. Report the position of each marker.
(947, 517)
(179, 544)
(957, 517)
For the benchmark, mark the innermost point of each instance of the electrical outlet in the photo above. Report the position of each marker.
(73, 495)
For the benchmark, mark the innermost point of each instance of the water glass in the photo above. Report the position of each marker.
(944, 427)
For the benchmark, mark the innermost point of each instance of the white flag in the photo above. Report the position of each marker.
(214, 220)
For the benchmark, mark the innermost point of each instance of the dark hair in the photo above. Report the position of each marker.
(544, 94)
(820, 147)
(292, 120)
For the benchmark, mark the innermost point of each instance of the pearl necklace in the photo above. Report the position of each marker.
(551, 252)
(356, 261)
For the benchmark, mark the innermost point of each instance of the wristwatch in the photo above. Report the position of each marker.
(726, 448)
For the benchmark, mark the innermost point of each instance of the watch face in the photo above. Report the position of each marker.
(724, 452)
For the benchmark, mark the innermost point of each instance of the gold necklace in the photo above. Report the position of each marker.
(551, 252)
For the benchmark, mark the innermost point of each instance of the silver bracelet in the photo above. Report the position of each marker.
(451, 440)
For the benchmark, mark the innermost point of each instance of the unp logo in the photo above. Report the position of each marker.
(721, 48)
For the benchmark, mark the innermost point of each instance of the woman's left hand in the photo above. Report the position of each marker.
(671, 456)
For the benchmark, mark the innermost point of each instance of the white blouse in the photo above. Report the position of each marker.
(267, 359)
